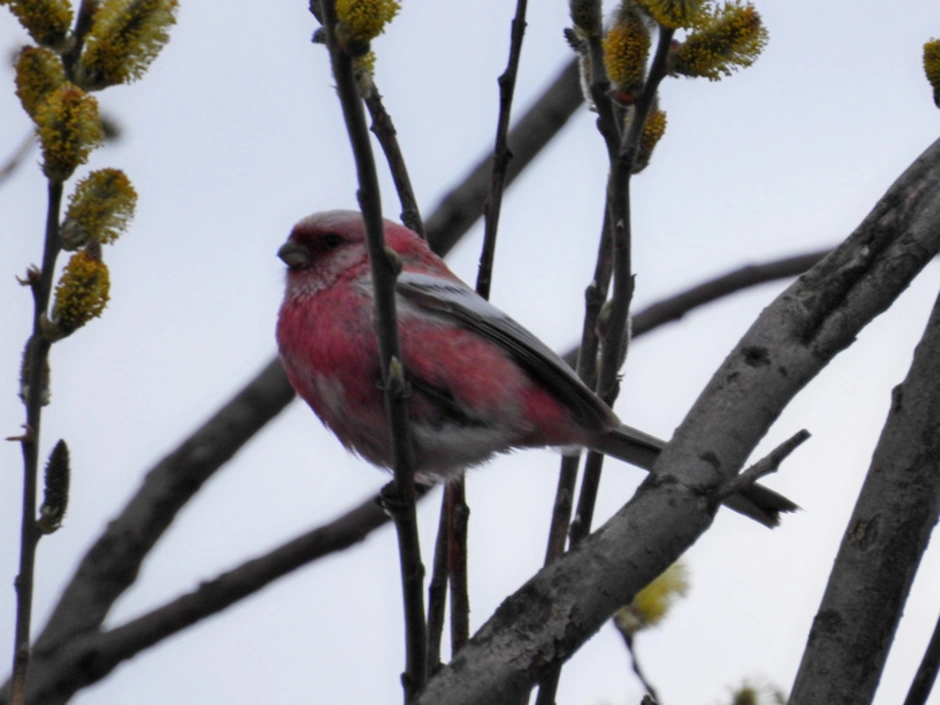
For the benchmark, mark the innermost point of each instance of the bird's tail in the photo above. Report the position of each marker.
(638, 448)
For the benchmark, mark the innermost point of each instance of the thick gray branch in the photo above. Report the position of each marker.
(883, 544)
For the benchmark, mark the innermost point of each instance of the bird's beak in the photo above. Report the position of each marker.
(294, 255)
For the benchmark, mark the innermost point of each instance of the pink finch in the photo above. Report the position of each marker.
(480, 383)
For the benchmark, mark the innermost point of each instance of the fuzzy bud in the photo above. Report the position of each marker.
(672, 14)
(56, 497)
(81, 294)
(358, 22)
(653, 602)
(39, 73)
(125, 37)
(394, 260)
(653, 130)
(626, 50)
(69, 128)
(47, 21)
(586, 16)
(100, 209)
(723, 40)
(932, 67)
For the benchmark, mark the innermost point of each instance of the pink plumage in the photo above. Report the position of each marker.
(480, 383)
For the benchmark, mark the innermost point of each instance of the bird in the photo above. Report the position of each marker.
(479, 382)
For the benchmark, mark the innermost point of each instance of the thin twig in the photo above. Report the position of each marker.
(458, 515)
(766, 465)
(561, 507)
(34, 379)
(926, 672)
(616, 336)
(400, 494)
(607, 123)
(457, 510)
(635, 662)
(675, 307)
(594, 296)
(437, 589)
(618, 206)
(586, 366)
(587, 498)
(616, 256)
(384, 130)
(501, 153)
(83, 23)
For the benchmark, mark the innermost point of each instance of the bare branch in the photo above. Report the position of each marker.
(549, 618)
(33, 392)
(766, 465)
(501, 152)
(399, 495)
(883, 543)
(384, 130)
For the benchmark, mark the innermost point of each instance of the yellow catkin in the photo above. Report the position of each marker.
(69, 128)
(39, 72)
(82, 292)
(672, 13)
(47, 21)
(125, 37)
(653, 130)
(626, 50)
(364, 20)
(653, 602)
(723, 40)
(932, 67)
(100, 209)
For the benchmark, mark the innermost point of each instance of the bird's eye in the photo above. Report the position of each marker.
(331, 241)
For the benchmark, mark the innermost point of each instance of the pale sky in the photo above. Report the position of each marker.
(236, 133)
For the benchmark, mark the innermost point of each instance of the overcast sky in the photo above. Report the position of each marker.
(236, 133)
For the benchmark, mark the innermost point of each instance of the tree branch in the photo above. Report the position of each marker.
(235, 422)
(883, 543)
(384, 131)
(33, 392)
(555, 612)
(399, 496)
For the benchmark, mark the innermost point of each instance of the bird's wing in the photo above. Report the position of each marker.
(460, 304)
